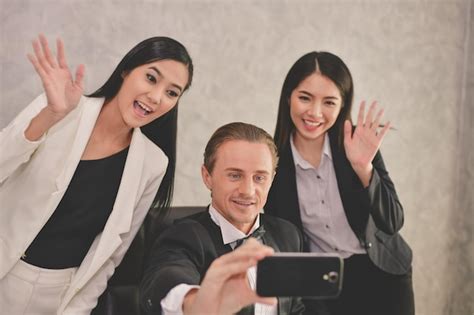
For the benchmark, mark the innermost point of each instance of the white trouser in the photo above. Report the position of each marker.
(28, 289)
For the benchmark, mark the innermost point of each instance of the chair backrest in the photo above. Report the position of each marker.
(121, 295)
(175, 213)
(154, 225)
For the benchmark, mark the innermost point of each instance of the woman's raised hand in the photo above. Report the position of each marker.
(362, 145)
(63, 92)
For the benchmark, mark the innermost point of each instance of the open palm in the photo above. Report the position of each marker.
(362, 145)
(62, 92)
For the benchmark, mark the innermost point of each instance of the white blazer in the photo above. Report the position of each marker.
(34, 177)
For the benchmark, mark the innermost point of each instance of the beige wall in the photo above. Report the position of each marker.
(414, 57)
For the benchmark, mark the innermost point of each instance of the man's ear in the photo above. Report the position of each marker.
(124, 74)
(206, 177)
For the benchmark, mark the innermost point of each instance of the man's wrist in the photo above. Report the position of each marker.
(189, 300)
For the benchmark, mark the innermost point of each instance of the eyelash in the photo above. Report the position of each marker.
(234, 176)
(260, 178)
(170, 93)
(307, 99)
(257, 178)
(304, 98)
(151, 78)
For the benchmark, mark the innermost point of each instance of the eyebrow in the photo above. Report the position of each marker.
(326, 97)
(233, 169)
(161, 75)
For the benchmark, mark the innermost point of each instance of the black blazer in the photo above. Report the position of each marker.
(374, 213)
(183, 253)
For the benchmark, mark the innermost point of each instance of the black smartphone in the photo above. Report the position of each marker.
(309, 275)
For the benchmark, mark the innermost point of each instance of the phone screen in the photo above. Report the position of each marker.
(300, 274)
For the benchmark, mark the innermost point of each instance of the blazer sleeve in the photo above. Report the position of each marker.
(384, 205)
(16, 149)
(86, 299)
(177, 256)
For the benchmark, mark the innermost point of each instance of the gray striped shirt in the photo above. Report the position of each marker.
(322, 213)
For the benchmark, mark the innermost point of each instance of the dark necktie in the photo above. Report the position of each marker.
(258, 234)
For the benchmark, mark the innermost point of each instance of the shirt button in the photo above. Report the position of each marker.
(327, 226)
(337, 249)
(318, 177)
(322, 201)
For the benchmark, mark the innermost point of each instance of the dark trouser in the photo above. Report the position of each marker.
(367, 290)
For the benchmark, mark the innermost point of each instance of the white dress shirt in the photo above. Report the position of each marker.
(172, 304)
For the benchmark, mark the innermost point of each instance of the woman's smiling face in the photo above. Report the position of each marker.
(314, 106)
(151, 90)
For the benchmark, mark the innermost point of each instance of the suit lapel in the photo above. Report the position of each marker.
(119, 221)
(268, 236)
(215, 234)
(286, 188)
(350, 187)
(88, 112)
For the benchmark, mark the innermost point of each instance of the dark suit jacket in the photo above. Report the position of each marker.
(183, 253)
(374, 213)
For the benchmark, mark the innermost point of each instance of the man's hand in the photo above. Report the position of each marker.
(225, 288)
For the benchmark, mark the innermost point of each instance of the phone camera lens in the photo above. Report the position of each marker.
(331, 277)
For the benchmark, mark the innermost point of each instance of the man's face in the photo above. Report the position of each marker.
(240, 181)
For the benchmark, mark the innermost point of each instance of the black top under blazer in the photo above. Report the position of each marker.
(184, 252)
(374, 213)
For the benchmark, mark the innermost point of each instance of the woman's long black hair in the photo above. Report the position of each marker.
(162, 131)
(328, 65)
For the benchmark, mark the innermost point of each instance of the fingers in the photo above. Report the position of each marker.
(223, 269)
(61, 55)
(240, 260)
(379, 116)
(266, 300)
(79, 80)
(370, 115)
(360, 116)
(42, 62)
(254, 298)
(347, 130)
(47, 52)
(384, 130)
(36, 65)
(251, 249)
(370, 121)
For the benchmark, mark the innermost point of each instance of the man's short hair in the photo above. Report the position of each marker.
(237, 131)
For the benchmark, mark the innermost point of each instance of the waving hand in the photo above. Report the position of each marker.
(362, 145)
(62, 91)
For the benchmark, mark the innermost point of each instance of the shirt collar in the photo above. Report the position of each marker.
(229, 232)
(301, 162)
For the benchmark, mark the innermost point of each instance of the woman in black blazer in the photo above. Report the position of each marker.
(332, 183)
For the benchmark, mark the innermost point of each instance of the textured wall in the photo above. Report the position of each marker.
(414, 57)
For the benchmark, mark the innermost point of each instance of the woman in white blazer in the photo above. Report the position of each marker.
(79, 173)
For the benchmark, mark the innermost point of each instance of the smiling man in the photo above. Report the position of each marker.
(187, 261)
